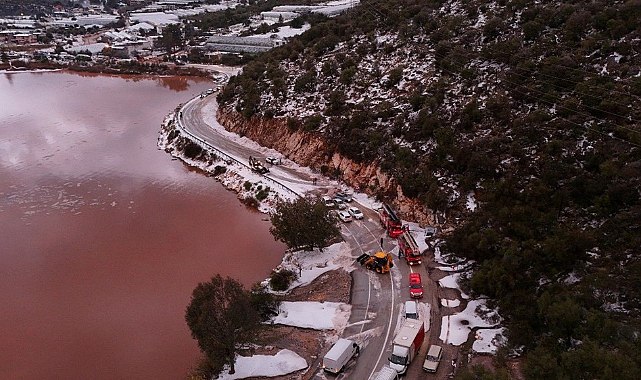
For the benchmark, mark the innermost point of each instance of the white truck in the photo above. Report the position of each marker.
(387, 373)
(406, 344)
(336, 358)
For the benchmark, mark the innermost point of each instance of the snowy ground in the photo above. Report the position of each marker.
(450, 303)
(456, 328)
(237, 174)
(284, 362)
(314, 315)
(450, 281)
(489, 340)
(311, 264)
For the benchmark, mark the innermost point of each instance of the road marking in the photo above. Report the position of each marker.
(369, 283)
(190, 106)
(389, 327)
(389, 324)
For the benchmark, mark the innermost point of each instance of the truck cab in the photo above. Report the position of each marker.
(406, 345)
(399, 359)
(387, 373)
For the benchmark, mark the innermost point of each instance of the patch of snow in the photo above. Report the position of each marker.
(470, 203)
(450, 281)
(489, 340)
(314, 315)
(480, 21)
(572, 278)
(283, 363)
(450, 303)
(617, 57)
(309, 265)
(456, 328)
(617, 307)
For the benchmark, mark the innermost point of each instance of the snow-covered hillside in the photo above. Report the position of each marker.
(518, 122)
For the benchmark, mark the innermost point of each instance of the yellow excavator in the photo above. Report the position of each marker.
(381, 262)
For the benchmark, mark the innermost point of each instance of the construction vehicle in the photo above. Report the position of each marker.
(257, 166)
(406, 345)
(390, 221)
(408, 248)
(380, 262)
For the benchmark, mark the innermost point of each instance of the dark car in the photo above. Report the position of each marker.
(344, 196)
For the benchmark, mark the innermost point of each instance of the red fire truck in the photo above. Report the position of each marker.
(390, 221)
(407, 247)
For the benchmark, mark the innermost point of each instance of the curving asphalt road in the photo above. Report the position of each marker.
(376, 299)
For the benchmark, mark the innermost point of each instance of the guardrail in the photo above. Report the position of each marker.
(206, 144)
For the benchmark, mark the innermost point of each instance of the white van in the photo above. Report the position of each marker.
(411, 310)
(340, 353)
(387, 373)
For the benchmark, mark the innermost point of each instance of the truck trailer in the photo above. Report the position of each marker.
(338, 356)
(406, 345)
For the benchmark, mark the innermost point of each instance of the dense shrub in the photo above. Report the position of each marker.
(281, 280)
(192, 150)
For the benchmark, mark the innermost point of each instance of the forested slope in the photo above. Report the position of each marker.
(25, 7)
(532, 109)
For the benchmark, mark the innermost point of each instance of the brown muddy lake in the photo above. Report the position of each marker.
(102, 235)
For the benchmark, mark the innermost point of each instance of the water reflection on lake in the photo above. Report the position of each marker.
(103, 235)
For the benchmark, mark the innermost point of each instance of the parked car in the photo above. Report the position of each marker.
(340, 204)
(328, 202)
(344, 196)
(432, 359)
(209, 91)
(272, 160)
(356, 213)
(411, 310)
(416, 286)
(344, 216)
(430, 232)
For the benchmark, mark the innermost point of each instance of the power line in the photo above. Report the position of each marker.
(583, 94)
(552, 103)
(381, 14)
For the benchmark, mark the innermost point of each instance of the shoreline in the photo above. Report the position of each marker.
(234, 175)
(330, 283)
(132, 68)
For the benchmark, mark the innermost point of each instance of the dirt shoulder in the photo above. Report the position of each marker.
(333, 286)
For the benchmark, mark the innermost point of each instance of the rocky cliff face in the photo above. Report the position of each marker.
(310, 149)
